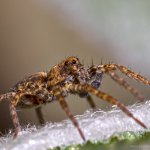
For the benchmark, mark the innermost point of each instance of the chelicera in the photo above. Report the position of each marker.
(69, 77)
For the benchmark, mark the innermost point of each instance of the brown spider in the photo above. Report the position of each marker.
(69, 76)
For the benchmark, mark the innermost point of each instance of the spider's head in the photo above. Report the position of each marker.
(72, 65)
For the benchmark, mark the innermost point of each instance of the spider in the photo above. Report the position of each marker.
(69, 77)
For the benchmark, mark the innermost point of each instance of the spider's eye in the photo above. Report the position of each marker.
(73, 62)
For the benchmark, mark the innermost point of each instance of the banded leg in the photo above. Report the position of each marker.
(6, 96)
(105, 97)
(110, 67)
(13, 103)
(15, 119)
(39, 115)
(65, 107)
(126, 85)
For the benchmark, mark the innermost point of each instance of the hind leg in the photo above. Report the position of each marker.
(126, 85)
(15, 119)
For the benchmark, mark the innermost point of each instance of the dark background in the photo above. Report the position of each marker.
(37, 34)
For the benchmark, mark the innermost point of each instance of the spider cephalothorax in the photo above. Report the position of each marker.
(68, 70)
(69, 76)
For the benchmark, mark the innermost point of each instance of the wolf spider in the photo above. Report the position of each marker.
(69, 76)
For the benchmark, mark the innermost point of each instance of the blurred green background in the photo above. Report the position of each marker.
(37, 34)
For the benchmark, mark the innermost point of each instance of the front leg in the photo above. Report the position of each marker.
(126, 85)
(112, 67)
(104, 96)
(109, 69)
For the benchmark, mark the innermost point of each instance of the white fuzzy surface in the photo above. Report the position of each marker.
(96, 125)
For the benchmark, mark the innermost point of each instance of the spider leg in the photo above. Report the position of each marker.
(90, 101)
(37, 98)
(65, 107)
(105, 97)
(13, 101)
(15, 120)
(126, 85)
(40, 115)
(13, 104)
(110, 67)
(14, 115)
(6, 96)
(133, 75)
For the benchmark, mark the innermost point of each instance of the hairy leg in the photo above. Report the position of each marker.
(15, 119)
(14, 115)
(65, 107)
(6, 96)
(14, 98)
(110, 67)
(126, 85)
(14, 101)
(105, 97)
